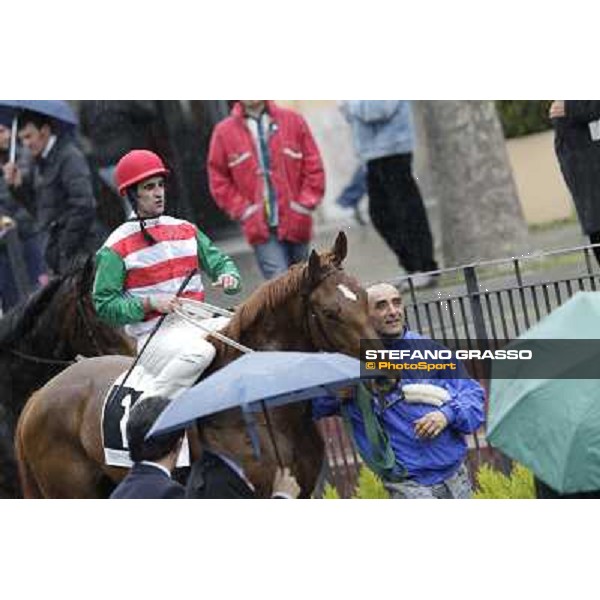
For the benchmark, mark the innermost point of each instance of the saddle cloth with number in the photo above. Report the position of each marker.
(115, 414)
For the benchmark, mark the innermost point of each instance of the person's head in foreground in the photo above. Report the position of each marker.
(160, 449)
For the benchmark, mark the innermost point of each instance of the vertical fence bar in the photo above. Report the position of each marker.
(547, 299)
(441, 322)
(514, 312)
(536, 307)
(475, 302)
(502, 315)
(521, 289)
(463, 312)
(429, 321)
(590, 271)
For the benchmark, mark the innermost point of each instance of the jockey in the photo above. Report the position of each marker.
(142, 265)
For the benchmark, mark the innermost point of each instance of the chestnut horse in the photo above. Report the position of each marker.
(314, 306)
(38, 339)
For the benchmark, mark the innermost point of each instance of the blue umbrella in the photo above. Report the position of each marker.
(259, 380)
(60, 110)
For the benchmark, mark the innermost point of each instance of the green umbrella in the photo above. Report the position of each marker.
(551, 424)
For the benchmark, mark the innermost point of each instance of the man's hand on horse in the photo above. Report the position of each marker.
(431, 425)
(162, 304)
(227, 282)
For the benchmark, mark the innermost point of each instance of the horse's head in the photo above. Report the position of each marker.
(335, 303)
(82, 330)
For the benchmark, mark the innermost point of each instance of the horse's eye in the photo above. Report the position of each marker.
(331, 314)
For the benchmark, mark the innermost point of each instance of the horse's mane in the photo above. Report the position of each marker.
(21, 320)
(266, 298)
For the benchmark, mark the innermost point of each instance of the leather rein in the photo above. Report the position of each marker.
(312, 318)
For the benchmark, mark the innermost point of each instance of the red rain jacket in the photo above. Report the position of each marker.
(297, 174)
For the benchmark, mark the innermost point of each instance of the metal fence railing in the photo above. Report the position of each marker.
(483, 303)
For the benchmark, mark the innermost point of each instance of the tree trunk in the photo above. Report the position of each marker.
(472, 180)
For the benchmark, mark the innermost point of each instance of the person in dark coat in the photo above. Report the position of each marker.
(216, 476)
(13, 213)
(60, 187)
(384, 140)
(154, 459)
(577, 145)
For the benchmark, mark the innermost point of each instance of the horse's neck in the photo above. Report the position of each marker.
(47, 337)
(281, 329)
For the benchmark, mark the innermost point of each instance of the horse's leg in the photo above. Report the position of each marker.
(51, 456)
(29, 486)
(80, 480)
(309, 451)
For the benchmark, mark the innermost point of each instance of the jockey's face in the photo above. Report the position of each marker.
(151, 197)
(386, 310)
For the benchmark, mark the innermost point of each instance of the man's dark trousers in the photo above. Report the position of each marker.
(398, 213)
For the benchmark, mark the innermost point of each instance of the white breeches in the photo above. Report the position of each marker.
(177, 355)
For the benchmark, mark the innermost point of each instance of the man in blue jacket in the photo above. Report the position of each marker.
(411, 432)
(384, 140)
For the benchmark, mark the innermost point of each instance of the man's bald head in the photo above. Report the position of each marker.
(386, 309)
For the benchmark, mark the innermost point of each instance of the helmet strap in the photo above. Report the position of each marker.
(132, 197)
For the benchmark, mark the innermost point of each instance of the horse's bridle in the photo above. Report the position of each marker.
(312, 317)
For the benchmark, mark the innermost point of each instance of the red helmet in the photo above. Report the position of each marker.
(136, 166)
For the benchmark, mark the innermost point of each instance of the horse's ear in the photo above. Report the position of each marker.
(314, 268)
(340, 248)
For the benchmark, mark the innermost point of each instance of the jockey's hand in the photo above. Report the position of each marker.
(227, 282)
(557, 109)
(285, 485)
(431, 425)
(163, 304)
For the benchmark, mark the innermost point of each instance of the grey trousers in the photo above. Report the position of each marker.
(457, 487)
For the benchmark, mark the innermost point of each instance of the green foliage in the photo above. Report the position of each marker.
(330, 493)
(370, 487)
(522, 117)
(494, 484)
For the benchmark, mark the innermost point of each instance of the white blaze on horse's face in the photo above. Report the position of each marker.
(347, 292)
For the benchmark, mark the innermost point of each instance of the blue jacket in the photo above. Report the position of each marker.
(380, 127)
(428, 461)
(147, 482)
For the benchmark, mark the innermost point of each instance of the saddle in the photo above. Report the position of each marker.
(115, 413)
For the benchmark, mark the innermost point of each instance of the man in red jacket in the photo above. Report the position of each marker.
(265, 171)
